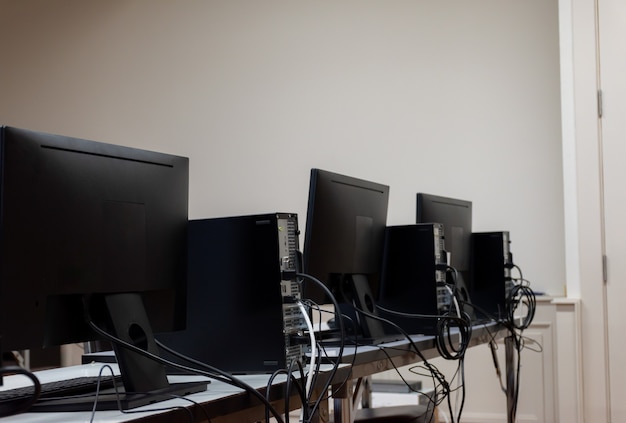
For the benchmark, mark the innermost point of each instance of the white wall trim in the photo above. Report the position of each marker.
(568, 135)
(494, 418)
(569, 363)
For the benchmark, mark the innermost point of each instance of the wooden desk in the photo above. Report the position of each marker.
(224, 403)
(370, 360)
(221, 402)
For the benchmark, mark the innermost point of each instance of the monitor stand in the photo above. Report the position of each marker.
(145, 380)
(357, 292)
(464, 296)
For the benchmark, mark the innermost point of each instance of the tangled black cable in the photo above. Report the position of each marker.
(340, 322)
(20, 405)
(417, 351)
(444, 335)
(291, 379)
(212, 371)
(462, 321)
(440, 393)
(336, 359)
(209, 371)
(118, 395)
(520, 296)
(444, 339)
(434, 372)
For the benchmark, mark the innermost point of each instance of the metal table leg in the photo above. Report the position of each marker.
(511, 378)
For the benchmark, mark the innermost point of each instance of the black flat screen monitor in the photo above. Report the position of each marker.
(88, 228)
(456, 217)
(344, 237)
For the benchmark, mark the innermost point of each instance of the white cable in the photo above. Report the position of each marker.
(309, 378)
(458, 313)
(456, 303)
(520, 303)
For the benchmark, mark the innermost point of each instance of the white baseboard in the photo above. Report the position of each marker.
(490, 418)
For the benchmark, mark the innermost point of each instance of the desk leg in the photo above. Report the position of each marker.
(366, 396)
(511, 378)
(342, 403)
(322, 415)
(346, 400)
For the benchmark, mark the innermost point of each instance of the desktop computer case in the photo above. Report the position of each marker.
(241, 312)
(491, 265)
(413, 276)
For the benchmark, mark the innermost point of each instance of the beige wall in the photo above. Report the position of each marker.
(458, 98)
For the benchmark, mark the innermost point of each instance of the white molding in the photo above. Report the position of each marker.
(494, 418)
(569, 363)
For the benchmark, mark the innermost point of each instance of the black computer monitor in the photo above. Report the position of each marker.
(91, 231)
(343, 244)
(456, 217)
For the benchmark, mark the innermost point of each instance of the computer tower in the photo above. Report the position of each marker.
(242, 313)
(413, 277)
(491, 283)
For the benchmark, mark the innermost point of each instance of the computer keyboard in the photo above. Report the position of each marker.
(62, 388)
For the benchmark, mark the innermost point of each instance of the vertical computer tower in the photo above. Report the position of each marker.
(413, 277)
(241, 312)
(491, 281)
